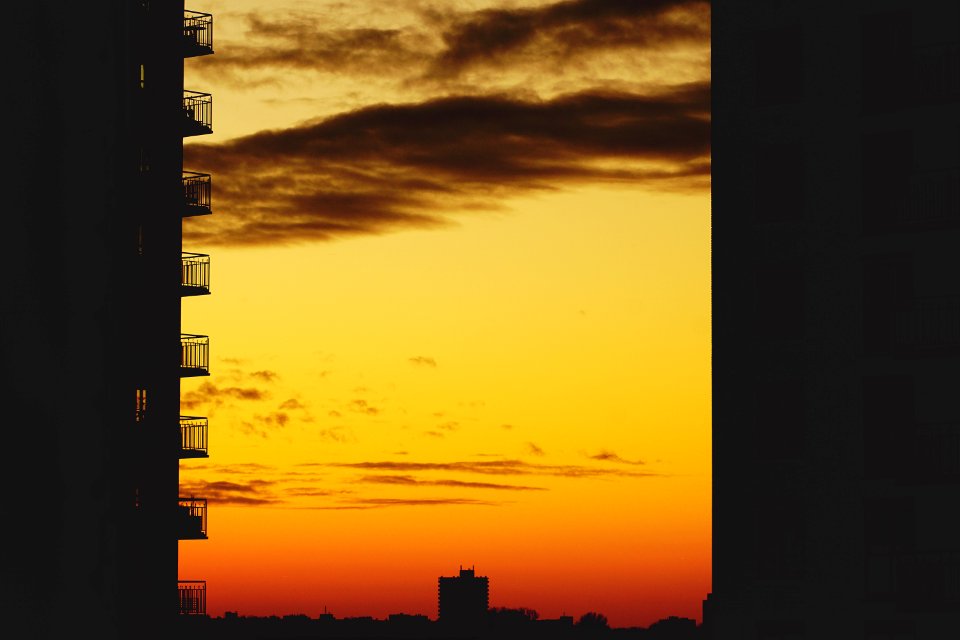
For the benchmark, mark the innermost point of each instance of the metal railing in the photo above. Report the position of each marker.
(192, 524)
(929, 323)
(197, 113)
(932, 197)
(193, 596)
(196, 193)
(937, 70)
(197, 33)
(194, 273)
(193, 437)
(194, 355)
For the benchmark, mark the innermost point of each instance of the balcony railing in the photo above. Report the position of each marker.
(193, 437)
(194, 355)
(929, 325)
(197, 34)
(194, 274)
(193, 597)
(932, 199)
(192, 522)
(197, 113)
(196, 194)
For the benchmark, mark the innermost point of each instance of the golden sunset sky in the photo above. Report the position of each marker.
(460, 308)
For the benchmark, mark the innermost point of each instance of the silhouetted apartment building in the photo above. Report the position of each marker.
(96, 197)
(463, 599)
(836, 320)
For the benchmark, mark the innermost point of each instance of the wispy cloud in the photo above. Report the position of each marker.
(534, 449)
(209, 394)
(390, 167)
(251, 493)
(265, 375)
(566, 28)
(610, 456)
(411, 481)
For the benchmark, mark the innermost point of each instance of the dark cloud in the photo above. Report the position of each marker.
(252, 492)
(610, 456)
(390, 167)
(570, 27)
(304, 41)
(292, 403)
(209, 394)
(423, 361)
(452, 41)
(411, 481)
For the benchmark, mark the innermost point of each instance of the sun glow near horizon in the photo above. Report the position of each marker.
(523, 386)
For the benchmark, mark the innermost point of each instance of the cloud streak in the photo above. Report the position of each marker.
(504, 467)
(389, 167)
(411, 481)
(445, 42)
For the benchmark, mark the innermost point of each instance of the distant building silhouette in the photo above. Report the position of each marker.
(463, 600)
(91, 317)
(836, 320)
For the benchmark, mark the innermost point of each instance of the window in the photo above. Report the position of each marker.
(779, 66)
(780, 538)
(888, 418)
(779, 182)
(779, 300)
(141, 409)
(779, 418)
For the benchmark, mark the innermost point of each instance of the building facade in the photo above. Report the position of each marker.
(91, 319)
(463, 600)
(836, 320)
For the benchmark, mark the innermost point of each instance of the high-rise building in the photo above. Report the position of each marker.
(836, 320)
(96, 195)
(463, 599)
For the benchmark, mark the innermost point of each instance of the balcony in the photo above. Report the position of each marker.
(194, 274)
(928, 201)
(197, 113)
(197, 34)
(193, 597)
(193, 437)
(929, 326)
(192, 519)
(196, 194)
(194, 355)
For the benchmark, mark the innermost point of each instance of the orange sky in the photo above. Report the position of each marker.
(460, 309)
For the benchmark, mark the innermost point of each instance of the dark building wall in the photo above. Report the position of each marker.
(836, 330)
(463, 599)
(86, 321)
